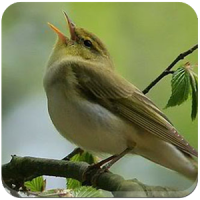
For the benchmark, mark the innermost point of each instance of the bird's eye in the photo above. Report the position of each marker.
(87, 43)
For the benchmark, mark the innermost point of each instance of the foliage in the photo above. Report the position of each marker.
(81, 157)
(38, 184)
(83, 192)
(87, 191)
(84, 157)
(184, 83)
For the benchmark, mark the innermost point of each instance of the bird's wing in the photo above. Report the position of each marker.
(121, 97)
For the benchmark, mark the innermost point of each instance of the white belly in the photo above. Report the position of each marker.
(86, 124)
(93, 128)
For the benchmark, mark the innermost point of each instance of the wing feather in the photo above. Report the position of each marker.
(128, 102)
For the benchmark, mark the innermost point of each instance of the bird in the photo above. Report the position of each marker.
(95, 108)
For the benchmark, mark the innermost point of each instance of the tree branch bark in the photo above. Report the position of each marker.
(168, 69)
(21, 169)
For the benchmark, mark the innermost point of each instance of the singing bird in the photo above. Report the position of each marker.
(98, 110)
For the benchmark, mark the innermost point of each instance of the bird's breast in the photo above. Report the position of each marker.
(87, 124)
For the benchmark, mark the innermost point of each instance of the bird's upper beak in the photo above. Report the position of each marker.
(71, 29)
(71, 25)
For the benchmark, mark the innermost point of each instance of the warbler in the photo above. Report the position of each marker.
(94, 107)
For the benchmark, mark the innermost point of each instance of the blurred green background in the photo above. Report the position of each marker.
(143, 39)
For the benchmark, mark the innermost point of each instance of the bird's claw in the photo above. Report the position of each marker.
(92, 173)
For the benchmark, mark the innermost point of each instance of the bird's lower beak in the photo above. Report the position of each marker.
(59, 33)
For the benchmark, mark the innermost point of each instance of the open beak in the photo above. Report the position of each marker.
(71, 29)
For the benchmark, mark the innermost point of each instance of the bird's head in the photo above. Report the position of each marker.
(82, 44)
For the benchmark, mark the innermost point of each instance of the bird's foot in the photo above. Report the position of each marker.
(92, 173)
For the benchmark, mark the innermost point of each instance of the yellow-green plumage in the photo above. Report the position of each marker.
(97, 109)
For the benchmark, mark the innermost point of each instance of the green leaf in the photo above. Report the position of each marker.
(38, 184)
(194, 86)
(184, 83)
(77, 189)
(180, 85)
(83, 157)
(87, 191)
(72, 183)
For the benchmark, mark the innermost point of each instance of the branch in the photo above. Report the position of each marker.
(21, 169)
(168, 69)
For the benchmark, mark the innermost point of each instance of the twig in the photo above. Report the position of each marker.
(168, 69)
(21, 169)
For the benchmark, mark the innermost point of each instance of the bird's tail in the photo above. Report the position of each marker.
(169, 156)
(193, 174)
